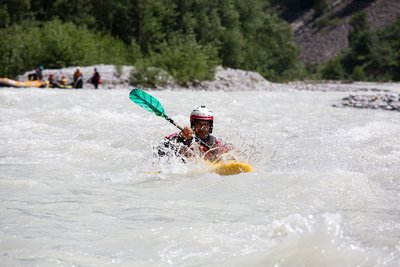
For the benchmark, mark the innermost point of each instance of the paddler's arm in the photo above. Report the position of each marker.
(187, 134)
(186, 137)
(176, 143)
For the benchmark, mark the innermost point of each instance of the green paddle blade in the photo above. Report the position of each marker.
(147, 102)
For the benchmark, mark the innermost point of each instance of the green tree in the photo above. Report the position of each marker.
(208, 27)
(185, 19)
(14, 11)
(385, 56)
(4, 16)
(116, 18)
(271, 51)
(19, 49)
(359, 74)
(372, 54)
(333, 70)
(150, 29)
(360, 40)
(320, 7)
(55, 44)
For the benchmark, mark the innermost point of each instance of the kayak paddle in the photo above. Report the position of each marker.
(150, 103)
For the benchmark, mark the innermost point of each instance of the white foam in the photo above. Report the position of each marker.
(76, 188)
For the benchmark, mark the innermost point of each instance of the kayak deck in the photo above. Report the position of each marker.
(220, 168)
(230, 168)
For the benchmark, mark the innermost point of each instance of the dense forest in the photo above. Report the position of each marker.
(184, 38)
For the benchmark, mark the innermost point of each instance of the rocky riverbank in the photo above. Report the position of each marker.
(381, 95)
(115, 77)
(378, 101)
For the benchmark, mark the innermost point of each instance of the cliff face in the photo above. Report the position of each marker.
(321, 38)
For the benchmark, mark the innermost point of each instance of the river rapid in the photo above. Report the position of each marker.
(79, 184)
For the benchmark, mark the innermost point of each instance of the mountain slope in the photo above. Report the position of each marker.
(321, 38)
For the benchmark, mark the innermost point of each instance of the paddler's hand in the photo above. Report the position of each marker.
(187, 133)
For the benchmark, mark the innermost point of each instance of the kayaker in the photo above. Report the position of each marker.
(195, 139)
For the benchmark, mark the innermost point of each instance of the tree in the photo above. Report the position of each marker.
(4, 16)
(358, 74)
(271, 51)
(360, 38)
(112, 17)
(15, 11)
(333, 70)
(320, 7)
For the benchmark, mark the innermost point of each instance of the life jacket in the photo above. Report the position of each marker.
(174, 142)
(211, 141)
(96, 77)
(77, 74)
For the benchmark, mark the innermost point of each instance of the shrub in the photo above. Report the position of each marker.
(182, 58)
(358, 74)
(20, 48)
(146, 75)
(333, 70)
(55, 45)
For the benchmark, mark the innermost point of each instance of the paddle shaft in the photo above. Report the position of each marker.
(172, 122)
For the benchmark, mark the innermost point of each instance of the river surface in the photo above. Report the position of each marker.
(79, 185)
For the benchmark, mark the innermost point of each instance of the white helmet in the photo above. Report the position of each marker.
(203, 114)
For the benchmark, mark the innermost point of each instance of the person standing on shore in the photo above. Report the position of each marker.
(78, 78)
(95, 80)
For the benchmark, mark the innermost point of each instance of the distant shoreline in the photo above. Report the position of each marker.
(226, 79)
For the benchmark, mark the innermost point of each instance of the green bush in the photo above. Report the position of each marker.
(20, 49)
(55, 45)
(377, 52)
(182, 58)
(4, 16)
(271, 51)
(333, 70)
(144, 74)
(69, 45)
(320, 7)
(358, 74)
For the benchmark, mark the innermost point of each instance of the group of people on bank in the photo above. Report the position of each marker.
(63, 82)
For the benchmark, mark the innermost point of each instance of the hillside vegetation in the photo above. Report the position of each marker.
(346, 39)
(185, 38)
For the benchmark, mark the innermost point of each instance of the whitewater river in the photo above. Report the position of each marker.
(79, 185)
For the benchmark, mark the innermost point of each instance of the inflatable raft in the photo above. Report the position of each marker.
(4, 82)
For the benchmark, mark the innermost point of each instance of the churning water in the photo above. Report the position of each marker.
(79, 184)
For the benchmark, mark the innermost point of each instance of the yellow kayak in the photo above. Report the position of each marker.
(230, 168)
(222, 168)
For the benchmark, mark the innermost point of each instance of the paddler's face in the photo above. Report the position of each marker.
(201, 129)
